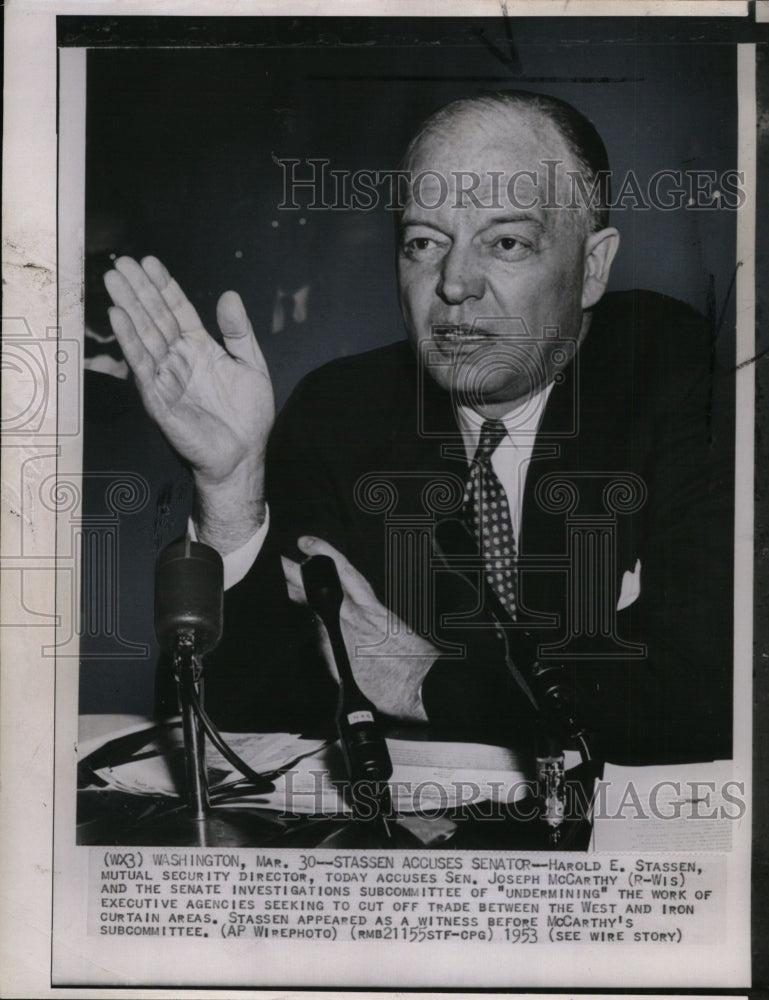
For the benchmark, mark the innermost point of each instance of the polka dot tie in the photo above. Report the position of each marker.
(488, 515)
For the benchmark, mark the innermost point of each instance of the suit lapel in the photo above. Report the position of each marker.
(587, 439)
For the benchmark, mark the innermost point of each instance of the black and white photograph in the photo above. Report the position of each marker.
(379, 436)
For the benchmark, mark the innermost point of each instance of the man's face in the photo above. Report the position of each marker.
(491, 280)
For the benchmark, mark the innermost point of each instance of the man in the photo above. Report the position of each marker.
(573, 436)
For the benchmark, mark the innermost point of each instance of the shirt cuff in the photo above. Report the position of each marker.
(239, 562)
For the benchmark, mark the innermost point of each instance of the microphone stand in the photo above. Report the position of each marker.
(188, 623)
(546, 688)
(366, 757)
(188, 673)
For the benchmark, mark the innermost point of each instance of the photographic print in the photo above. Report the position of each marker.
(379, 443)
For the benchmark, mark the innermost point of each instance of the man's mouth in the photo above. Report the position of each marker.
(457, 333)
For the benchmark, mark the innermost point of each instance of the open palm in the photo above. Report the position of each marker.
(214, 404)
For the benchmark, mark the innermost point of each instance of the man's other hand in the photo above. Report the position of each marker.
(388, 660)
(214, 404)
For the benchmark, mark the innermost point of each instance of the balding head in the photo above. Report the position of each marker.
(560, 131)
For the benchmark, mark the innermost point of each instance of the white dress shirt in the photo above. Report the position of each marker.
(239, 562)
(511, 459)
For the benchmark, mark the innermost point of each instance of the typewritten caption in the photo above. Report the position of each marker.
(405, 896)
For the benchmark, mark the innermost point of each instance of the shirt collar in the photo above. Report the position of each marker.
(521, 423)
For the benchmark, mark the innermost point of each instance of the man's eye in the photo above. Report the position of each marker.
(511, 248)
(419, 247)
(420, 243)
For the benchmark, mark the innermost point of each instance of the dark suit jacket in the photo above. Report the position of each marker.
(632, 462)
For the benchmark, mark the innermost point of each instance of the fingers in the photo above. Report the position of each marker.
(293, 574)
(237, 331)
(150, 298)
(125, 298)
(184, 313)
(354, 583)
(140, 360)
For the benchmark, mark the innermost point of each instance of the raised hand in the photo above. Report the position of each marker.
(389, 663)
(214, 405)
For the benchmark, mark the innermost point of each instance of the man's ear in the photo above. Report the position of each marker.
(600, 249)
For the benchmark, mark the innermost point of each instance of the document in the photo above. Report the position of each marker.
(668, 808)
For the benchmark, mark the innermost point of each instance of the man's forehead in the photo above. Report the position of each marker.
(502, 161)
(511, 139)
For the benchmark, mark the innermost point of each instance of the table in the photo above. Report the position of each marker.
(110, 817)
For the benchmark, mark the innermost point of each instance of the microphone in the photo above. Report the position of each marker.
(189, 616)
(459, 550)
(553, 693)
(189, 603)
(546, 686)
(364, 748)
(189, 597)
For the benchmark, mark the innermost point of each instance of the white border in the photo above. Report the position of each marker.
(29, 185)
(392, 8)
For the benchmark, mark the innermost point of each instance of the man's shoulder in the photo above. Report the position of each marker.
(392, 360)
(653, 338)
(653, 321)
(640, 310)
(372, 382)
(356, 405)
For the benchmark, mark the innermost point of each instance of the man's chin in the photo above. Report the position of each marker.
(469, 388)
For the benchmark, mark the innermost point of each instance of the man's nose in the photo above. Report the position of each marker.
(461, 276)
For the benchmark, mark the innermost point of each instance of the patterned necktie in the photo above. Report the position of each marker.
(488, 515)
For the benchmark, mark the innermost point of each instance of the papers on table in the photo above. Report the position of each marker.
(427, 776)
(680, 807)
(146, 759)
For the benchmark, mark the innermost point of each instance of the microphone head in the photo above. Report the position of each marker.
(189, 594)
(322, 586)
